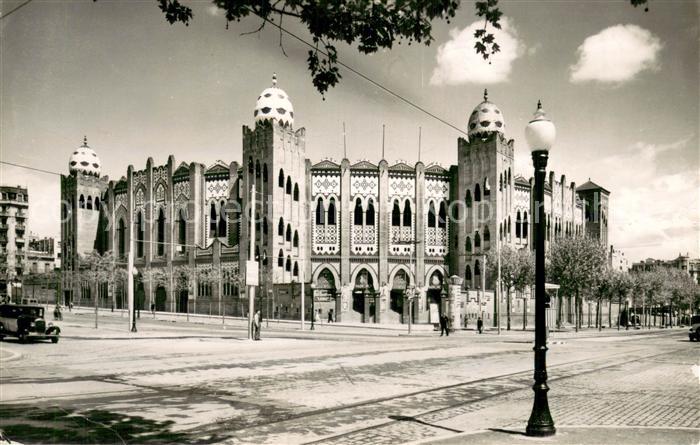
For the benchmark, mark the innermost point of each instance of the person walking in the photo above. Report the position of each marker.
(330, 315)
(480, 325)
(256, 325)
(443, 325)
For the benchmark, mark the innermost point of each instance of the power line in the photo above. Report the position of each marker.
(31, 168)
(358, 73)
(15, 10)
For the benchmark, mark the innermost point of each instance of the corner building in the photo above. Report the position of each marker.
(358, 234)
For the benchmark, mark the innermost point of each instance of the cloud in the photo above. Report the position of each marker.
(214, 11)
(616, 54)
(458, 62)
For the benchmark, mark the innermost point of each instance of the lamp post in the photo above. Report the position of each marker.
(540, 134)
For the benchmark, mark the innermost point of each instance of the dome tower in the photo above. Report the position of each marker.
(274, 104)
(486, 118)
(84, 160)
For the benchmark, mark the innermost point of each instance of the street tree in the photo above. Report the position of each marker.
(575, 264)
(184, 278)
(97, 269)
(517, 272)
(367, 25)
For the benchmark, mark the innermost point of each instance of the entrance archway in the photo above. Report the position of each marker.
(397, 296)
(325, 301)
(364, 305)
(161, 298)
(434, 297)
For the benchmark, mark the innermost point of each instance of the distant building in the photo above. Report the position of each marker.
(14, 211)
(41, 256)
(596, 201)
(682, 262)
(617, 260)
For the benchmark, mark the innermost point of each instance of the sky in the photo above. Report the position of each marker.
(620, 84)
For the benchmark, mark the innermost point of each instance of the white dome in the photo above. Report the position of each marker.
(486, 118)
(85, 160)
(274, 103)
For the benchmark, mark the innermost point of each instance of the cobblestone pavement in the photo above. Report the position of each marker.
(347, 387)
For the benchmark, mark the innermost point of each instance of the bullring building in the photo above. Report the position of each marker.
(359, 234)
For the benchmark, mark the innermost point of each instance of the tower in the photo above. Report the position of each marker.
(274, 160)
(483, 188)
(82, 193)
(595, 202)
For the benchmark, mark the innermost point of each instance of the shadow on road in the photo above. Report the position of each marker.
(432, 425)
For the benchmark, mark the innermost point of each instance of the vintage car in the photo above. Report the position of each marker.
(694, 332)
(26, 322)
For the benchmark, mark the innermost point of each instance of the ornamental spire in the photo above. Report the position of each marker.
(274, 79)
(486, 95)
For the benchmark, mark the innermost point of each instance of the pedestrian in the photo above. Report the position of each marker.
(330, 315)
(480, 325)
(256, 325)
(153, 309)
(443, 325)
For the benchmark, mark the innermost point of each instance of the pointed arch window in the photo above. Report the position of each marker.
(264, 173)
(296, 269)
(477, 268)
(81, 202)
(280, 227)
(97, 203)
(295, 240)
(257, 169)
(468, 273)
(264, 226)
(320, 212)
(518, 225)
(296, 192)
(477, 193)
(487, 237)
(139, 235)
(89, 203)
(251, 166)
(396, 215)
(468, 244)
(121, 237)
(331, 212)
(431, 215)
(288, 189)
(442, 216)
(407, 215)
(280, 259)
(222, 219)
(509, 231)
(357, 214)
(280, 180)
(369, 218)
(161, 232)
(181, 229)
(288, 264)
(212, 220)
(288, 234)
(487, 188)
(468, 199)
(500, 182)
(477, 240)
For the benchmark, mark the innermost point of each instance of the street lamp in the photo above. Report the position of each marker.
(540, 134)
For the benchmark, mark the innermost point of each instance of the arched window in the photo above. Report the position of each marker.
(369, 219)
(487, 237)
(396, 215)
(442, 216)
(357, 219)
(407, 215)
(468, 199)
(121, 237)
(431, 215)
(468, 244)
(296, 269)
(212, 220)
(161, 232)
(251, 167)
(500, 231)
(296, 192)
(280, 259)
(280, 227)
(264, 226)
(257, 169)
(264, 258)
(89, 203)
(518, 225)
(257, 253)
(331, 212)
(477, 193)
(222, 219)
(97, 203)
(288, 234)
(500, 182)
(81, 202)
(139, 235)
(280, 181)
(468, 273)
(288, 264)
(509, 176)
(295, 240)
(487, 188)
(182, 228)
(509, 232)
(264, 173)
(477, 240)
(477, 268)
(288, 189)
(320, 212)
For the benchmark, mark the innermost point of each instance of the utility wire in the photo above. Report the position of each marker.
(14, 10)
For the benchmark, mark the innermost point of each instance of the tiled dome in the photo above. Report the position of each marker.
(85, 160)
(486, 118)
(274, 103)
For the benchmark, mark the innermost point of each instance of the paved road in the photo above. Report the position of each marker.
(178, 382)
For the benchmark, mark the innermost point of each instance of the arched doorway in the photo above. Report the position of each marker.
(397, 296)
(161, 298)
(325, 296)
(364, 304)
(434, 297)
(183, 298)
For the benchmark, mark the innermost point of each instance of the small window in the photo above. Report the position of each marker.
(296, 192)
(280, 180)
(331, 212)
